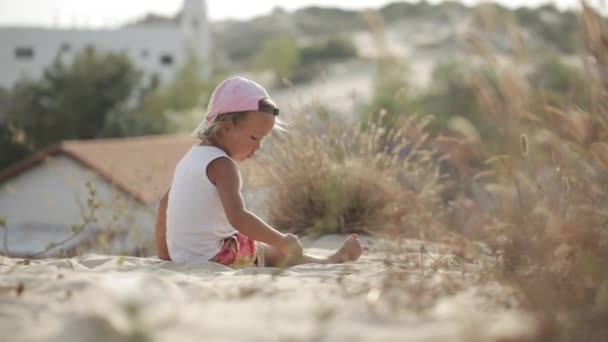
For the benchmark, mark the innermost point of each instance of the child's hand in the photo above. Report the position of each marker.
(291, 245)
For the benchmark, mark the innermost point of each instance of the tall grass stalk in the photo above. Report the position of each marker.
(550, 208)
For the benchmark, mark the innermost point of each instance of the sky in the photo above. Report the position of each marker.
(110, 13)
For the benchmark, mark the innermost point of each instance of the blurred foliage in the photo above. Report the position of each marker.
(559, 84)
(98, 95)
(11, 143)
(241, 40)
(318, 21)
(547, 26)
(333, 48)
(315, 56)
(289, 61)
(453, 93)
(391, 99)
(160, 105)
(557, 29)
(280, 55)
(529, 145)
(71, 101)
(13, 149)
(538, 200)
(422, 10)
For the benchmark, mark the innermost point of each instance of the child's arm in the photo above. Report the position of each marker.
(161, 228)
(224, 173)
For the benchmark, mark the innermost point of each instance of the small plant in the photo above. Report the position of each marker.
(88, 217)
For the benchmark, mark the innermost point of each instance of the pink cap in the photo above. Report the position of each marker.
(236, 94)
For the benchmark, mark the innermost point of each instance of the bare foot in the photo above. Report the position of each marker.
(350, 251)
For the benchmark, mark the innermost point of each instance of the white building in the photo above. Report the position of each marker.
(153, 48)
(43, 196)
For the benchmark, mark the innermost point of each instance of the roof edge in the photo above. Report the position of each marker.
(17, 168)
(104, 175)
(39, 157)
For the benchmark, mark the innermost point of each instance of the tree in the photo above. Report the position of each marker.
(332, 48)
(281, 55)
(451, 93)
(71, 102)
(167, 107)
(454, 93)
(12, 148)
(187, 90)
(11, 143)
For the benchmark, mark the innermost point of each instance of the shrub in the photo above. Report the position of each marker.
(391, 95)
(547, 229)
(281, 55)
(336, 178)
(315, 21)
(333, 48)
(559, 84)
(73, 100)
(453, 93)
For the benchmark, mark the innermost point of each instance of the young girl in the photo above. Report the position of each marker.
(202, 216)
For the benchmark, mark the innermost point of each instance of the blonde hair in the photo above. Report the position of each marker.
(209, 131)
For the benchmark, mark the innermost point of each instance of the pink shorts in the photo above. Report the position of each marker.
(239, 251)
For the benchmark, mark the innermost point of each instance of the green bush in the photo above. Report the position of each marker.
(454, 93)
(559, 85)
(281, 55)
(421, 10)
(12, 148)
(317, 21)
(163, 107)
(391, 99)
(334, 48)
(72, 101)
(240, 41)
(561, 34)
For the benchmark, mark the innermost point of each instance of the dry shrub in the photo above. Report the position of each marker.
(548, 225)
(332, 177)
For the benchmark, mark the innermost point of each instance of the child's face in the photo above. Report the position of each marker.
(244, 139)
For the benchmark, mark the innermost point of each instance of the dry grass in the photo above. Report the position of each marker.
(336, 178)
(543, 215)
(548, 221)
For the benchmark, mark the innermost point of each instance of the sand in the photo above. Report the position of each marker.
(385, 296)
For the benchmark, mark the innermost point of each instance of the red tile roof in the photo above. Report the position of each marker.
(140, 166)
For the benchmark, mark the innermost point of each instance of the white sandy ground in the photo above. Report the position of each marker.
(109, 298)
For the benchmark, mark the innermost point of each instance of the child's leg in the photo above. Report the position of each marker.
(275, 258)
(351, 250)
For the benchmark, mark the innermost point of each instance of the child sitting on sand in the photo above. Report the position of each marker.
(202, 216)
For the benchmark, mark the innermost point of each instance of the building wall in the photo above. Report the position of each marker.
(26, 52)
(160, 49)
(42, 204)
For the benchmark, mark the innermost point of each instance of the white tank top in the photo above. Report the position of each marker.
(196, 221)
